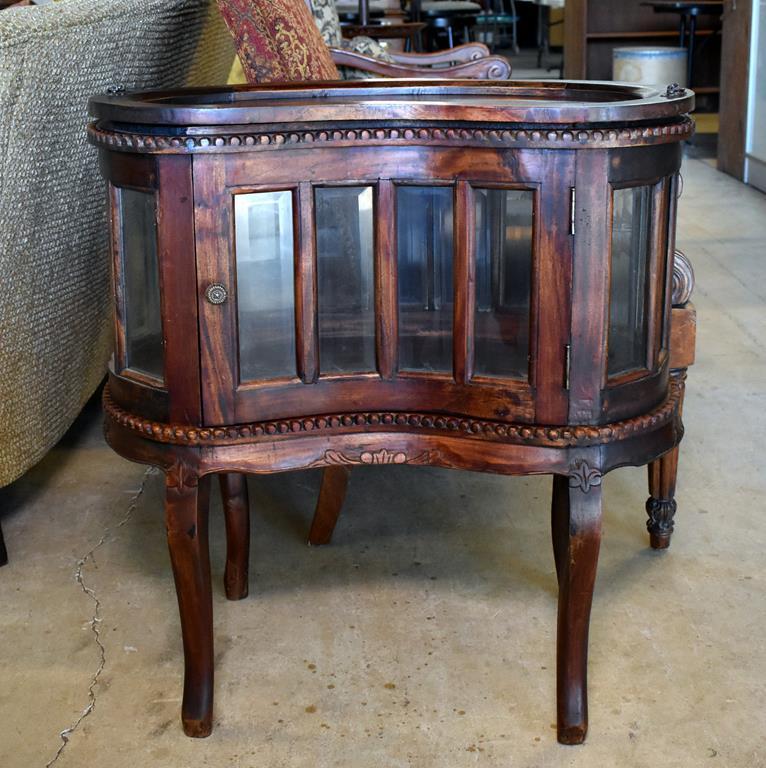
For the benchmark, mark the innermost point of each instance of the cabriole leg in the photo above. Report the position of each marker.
(236, 510)
(332, 493)
(560, 520)
(186, 517)
(661, 504)
(577, 537)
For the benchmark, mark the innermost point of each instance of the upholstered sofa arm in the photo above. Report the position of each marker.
(55, 315)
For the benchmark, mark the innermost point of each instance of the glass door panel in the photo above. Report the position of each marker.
(424, 217)
(141, 283)
(345, 279)
(265, 293)
(504, 231)
(629, 278)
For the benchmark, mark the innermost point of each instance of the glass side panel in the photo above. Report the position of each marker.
(345, 278)
(265, 297)
(504, 227)
(631, 232)
(424, 246)
(141, 283)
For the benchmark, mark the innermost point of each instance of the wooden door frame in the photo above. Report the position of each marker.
(735, 84)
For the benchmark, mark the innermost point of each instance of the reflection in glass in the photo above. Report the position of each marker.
(504, 219)
(345, 278)
(424, 247)
(141, 283)
(629, 278)
(265, 295)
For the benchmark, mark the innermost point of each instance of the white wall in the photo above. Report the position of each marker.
(755, 147)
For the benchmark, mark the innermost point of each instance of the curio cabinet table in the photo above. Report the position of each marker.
(473, 276)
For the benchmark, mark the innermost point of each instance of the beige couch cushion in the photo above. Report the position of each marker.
(55, 324)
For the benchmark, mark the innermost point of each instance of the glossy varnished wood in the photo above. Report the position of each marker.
(332, 494)
(186, 518)
(487, 67)
(568, 145)
(236, 510)
(577, 540)
(175, 211)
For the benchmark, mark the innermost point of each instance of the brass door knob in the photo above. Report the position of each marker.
(216, 293)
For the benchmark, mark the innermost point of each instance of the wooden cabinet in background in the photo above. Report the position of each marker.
(593, 28)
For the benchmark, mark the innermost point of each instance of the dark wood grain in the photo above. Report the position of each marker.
(489, 67)
(236, 510)
(386, 304)
(661, 504)
(175, 214)
(590, 287)
(306, 321)
(658, 272)
(560, 522)
(464, 278)
(552, 287)
(576, 561)
(213, 231)
(735, 78)
(332, 494)
(186, 519)
(460, 53)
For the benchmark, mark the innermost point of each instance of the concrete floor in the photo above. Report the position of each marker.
(424, 636)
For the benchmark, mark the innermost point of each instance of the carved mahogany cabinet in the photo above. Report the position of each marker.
(473, 276)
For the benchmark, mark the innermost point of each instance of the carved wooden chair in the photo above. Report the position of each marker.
(661, 504)
(365, 55)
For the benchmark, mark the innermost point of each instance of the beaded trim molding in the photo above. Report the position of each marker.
(555, 138)
(391, 421)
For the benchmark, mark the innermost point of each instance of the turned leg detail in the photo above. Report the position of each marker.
(186, 516)
(576, 517)
(332, 493)
(236, 510)
(661, 504)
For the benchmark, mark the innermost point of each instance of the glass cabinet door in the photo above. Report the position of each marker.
(140, 310)
(363, 293)
(345, 279)
(424, 220)
(504, 240)
(263, 223)
(629, 280)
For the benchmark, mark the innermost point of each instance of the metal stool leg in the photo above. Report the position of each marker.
(690, 56)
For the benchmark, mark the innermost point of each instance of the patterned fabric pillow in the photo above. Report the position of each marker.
(277, 41)
(326, 18)
(368, 47)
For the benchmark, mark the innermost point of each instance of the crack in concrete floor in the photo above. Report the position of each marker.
(95, 620)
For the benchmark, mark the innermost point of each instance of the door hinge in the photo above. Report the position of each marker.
(572, 204)
(567, 364)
